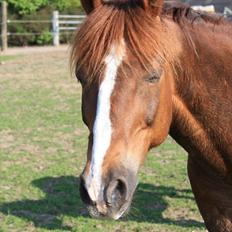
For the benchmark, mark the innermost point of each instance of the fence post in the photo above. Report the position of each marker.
(4, 26)
(55, 27)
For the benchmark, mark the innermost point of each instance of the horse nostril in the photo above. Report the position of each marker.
(84, 193)
(121, 188)
(116, 193)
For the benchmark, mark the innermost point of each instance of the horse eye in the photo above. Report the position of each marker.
(153, 78)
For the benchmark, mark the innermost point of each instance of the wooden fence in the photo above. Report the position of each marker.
(4, 26)
(64, 23)
(60, 23)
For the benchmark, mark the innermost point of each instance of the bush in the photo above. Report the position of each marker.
(44, 38)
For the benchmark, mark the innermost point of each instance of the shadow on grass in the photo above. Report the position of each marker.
(62, 199)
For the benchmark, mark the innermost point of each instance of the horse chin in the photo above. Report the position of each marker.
(122, 212)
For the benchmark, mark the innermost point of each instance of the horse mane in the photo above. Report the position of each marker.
(109, 23)
(182, 13)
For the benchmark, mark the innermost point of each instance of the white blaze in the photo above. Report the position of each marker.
(102, 130)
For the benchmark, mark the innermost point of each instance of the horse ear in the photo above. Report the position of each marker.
(90, 5)
(157, 6)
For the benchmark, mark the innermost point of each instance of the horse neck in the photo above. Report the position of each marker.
(202, 111)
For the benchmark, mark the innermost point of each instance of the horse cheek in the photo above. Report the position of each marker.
(163, 117)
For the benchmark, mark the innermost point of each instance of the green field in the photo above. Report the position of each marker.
(42, 152)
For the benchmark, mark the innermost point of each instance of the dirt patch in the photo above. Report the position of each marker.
(29, 148)
(33, 50)
(180, 214)
(6, 139)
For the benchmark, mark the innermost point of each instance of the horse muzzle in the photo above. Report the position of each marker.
(115, 197)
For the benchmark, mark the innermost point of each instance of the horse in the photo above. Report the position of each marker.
(150, 68)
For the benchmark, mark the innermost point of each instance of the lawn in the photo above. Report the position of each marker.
(4, 58)
(42, 152)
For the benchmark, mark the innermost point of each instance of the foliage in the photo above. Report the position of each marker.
(44, 38)
(24, 7)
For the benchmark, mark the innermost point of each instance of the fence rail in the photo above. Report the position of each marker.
(28, 21)
(72, 16)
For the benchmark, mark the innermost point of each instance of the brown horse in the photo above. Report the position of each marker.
(149, 69)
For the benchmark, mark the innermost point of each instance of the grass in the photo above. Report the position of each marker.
(4, 58)
(42, 152)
